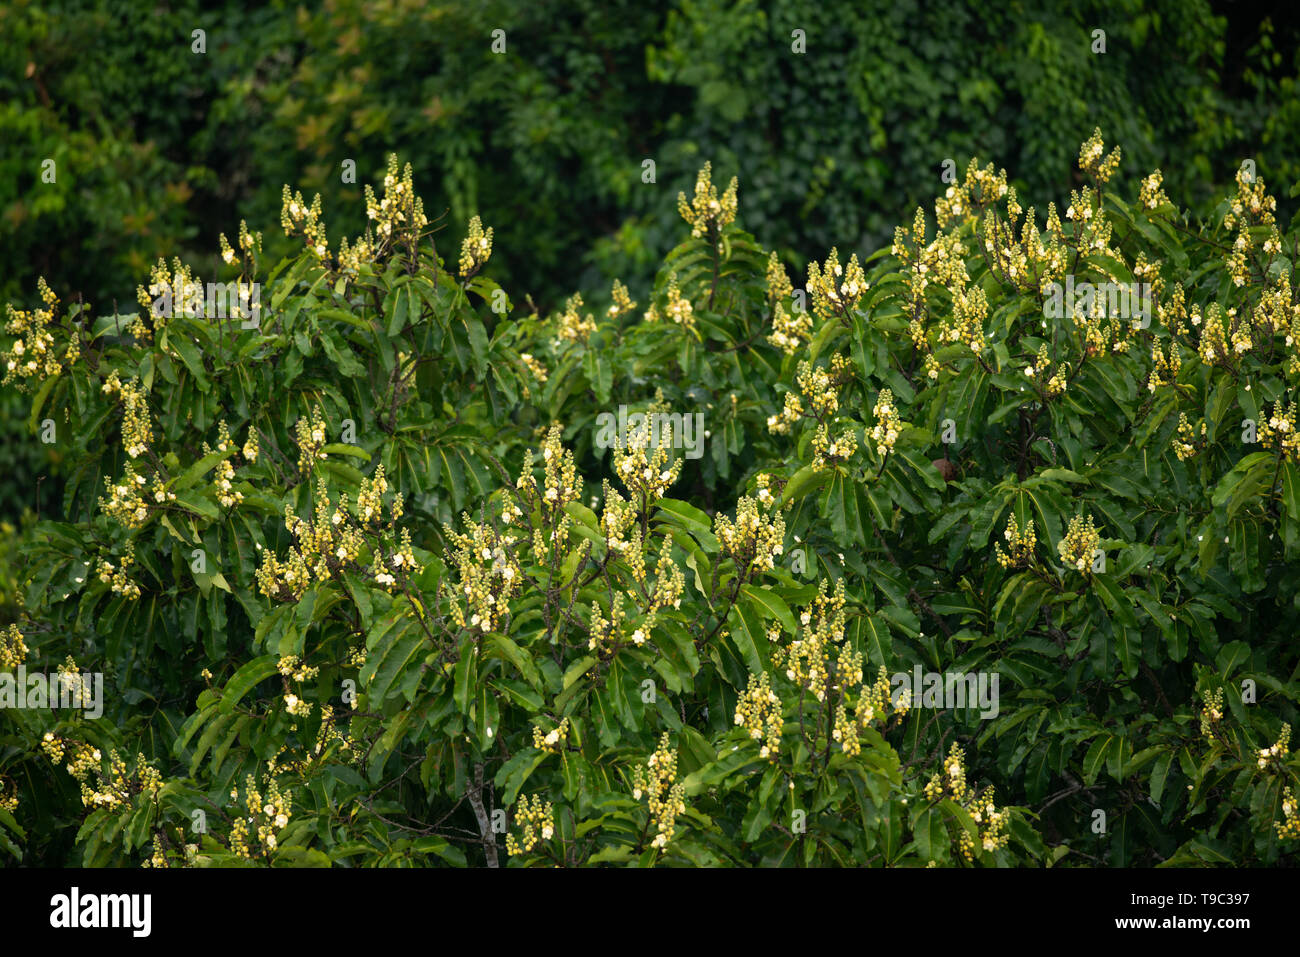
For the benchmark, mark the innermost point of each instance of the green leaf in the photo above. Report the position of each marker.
(516, 772)
(770, 605)
(202, 467)
(747, 636)
(398, 307)
(1159, 774)
(246, 679)
(338, 448)
(803, 482)
(875, 636)
(690, 519)
(401, 650)
(466, 674)
(189, 354)
(1096, 757)
(1291, 489)
(923, 467)
(1230, 656)
(576, 671)
(519, 658)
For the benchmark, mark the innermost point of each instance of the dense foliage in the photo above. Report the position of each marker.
(388, 574)
(836, 116)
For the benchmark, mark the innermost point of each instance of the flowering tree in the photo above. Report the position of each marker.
(365, 588)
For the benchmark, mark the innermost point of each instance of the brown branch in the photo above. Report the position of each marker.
(475, 795)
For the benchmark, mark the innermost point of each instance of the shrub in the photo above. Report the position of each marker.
(398, 574)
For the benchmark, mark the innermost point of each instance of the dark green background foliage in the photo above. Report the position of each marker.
(159, 148)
